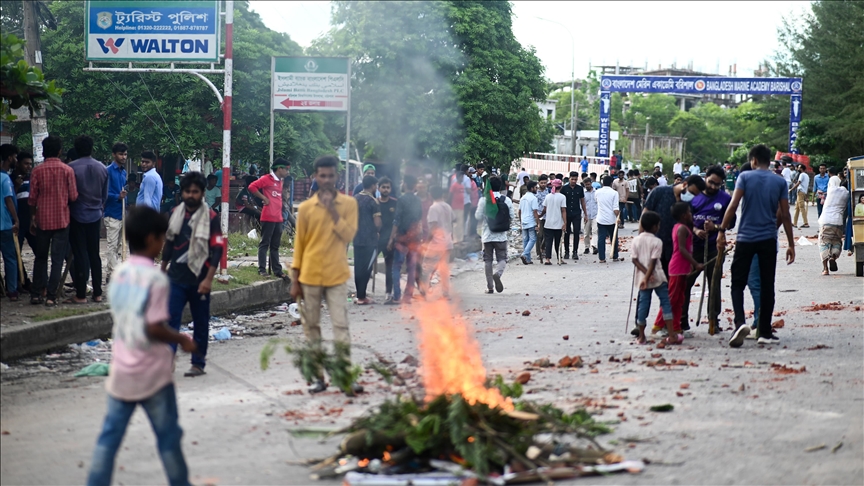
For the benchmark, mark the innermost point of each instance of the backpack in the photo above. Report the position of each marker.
(501, 222)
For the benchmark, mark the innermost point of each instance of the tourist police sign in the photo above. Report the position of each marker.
(153, 31)
(310, 84)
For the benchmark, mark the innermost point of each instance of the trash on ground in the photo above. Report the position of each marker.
(662, 408)
(94, 369)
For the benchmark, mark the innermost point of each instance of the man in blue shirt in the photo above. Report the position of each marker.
(762, 193)
(8, 220)
(820, 185)
(150, 193)
(583, 165)
(85, 224)
(114, 205)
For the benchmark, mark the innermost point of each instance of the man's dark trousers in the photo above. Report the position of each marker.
(84, 238)
(741, 259)
(364, 256)
(199, 307)
(57, 241)
(271, 236)
(573, 227)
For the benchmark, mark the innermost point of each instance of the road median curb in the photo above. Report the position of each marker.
(39, 337)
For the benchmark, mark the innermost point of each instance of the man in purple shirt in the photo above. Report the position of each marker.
(91, 176)
(708, 209)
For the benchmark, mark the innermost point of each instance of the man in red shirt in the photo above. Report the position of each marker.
(268, 188)
(52, 188)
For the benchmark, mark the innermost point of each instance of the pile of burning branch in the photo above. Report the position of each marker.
(466, 426)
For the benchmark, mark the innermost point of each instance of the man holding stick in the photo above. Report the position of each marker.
(326, 223)
(9, 223)
(115, 206)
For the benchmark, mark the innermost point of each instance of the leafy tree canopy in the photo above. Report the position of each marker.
(22, 84)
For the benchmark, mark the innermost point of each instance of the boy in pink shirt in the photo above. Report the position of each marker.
(142, 361)
(646, 250)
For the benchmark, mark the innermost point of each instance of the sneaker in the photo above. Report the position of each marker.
(689, 334)
(567, 255)
(586, 251)
(768, 340)
(262, 273)
(391, 301)
(488, 291)
(499, 286)
(738, 336)
(529, 263)
(524, 260)
(355, 389)
(318, 387)
(594, 250)
(194, 371)
(575, 257)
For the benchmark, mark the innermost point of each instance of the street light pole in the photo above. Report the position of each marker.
(572, 85)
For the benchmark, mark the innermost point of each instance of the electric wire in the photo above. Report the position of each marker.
(161, 115)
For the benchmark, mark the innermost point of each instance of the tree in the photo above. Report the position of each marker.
(22, 84)
(445, 81)
(175, 113)
(826, 47)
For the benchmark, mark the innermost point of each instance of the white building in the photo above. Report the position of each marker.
(586, 142)
(547, 109)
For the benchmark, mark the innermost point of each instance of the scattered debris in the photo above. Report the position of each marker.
(778, 324)
(836, 447)
(668, 407)
(817, 347)
(93, 369)
(829, 306)
(523, 378)
(786, 370)
(566, 337)
(815, 448)
(542, 363)
(526, 313)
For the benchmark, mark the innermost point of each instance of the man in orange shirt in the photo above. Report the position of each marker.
(268, 188)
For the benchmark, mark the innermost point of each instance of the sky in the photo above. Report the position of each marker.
(708, 34)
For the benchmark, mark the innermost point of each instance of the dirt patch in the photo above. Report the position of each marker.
(787, 370)
(828, 306)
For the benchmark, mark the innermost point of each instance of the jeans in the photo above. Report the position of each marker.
(713, 297)
(271, 236)
(529, 239)
(199, 306)
(10, 261)
(755, 286)
(364, 258)
(604, 230)
(624, 212)
(57, 241)
(409, 258)
(643, 304)
(84, 238)
(635, 208)
(498, 250)
(573, 227)
(161, 409)
(742, 259)
(552, 238)
(470, 221)
(388, 267)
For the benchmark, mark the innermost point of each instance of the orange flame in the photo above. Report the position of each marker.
(451, 358)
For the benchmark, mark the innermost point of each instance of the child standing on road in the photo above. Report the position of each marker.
(646, 250)
(681, 264)
(142, 361)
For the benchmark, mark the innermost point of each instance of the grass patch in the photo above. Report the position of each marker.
(240, 245)
(61, 312)
(242, 276)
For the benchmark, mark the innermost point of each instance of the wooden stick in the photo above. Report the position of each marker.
(615, 233)
(715, 287)
(630, 307)
(704, 280)
(20, 262)
(123, 231)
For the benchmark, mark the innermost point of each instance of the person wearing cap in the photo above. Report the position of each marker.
(368, 170)
(269, 190)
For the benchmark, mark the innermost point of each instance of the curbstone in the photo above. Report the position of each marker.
(39, 337)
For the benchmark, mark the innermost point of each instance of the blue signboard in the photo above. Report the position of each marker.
(701, 85)
(791, 87)
(153, 31)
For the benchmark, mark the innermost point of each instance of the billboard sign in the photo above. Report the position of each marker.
(310, 84)
(152, 31)
(701, 85)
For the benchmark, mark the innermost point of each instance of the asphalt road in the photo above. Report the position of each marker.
(737, 420)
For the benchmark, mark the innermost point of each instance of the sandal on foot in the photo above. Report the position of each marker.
(194, 371)
(825, 272)
(50, 303)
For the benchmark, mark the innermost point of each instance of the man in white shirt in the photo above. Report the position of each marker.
(694, 169)
(802, 187)
(495, 242)
(659, 164)
(661, 181)
(677, 167)
(787, 174)
(555, 210)
(607, 217)
(529, 212)
(520, 180)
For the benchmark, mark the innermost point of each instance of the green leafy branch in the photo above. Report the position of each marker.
(22, 84)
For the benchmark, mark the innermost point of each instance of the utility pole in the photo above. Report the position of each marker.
(226, 124)
(38, 122)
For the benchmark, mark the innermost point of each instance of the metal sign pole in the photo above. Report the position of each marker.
(348, 131)
(272, 116)
(226, 122)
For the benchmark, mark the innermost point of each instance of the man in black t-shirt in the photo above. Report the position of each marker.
(574, 193)
(366, 238)
(405, 239)
(387, 207)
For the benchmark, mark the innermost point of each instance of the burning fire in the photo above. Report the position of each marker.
(451, 357)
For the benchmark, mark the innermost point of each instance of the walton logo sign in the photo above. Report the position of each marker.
(110, 44)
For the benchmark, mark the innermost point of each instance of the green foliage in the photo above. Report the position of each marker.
(22, 84)
(312, 360)
(649, 157)
(176, 113)
(513, 390)
(485, 438)
(826, 47)
(439, 81)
